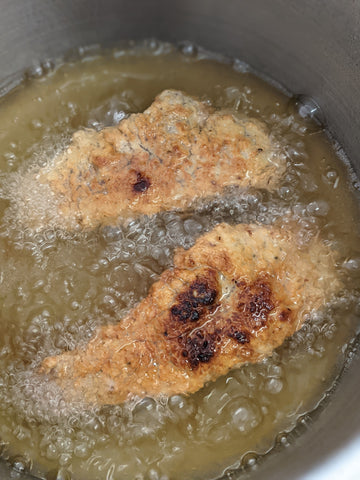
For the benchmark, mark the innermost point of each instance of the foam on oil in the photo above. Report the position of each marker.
(57, 288)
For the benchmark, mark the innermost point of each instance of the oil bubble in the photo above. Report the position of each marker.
(352, 264)
(318, 208)
(181, 407)
(36, 123)
(274, 386)
(250, 460)
(61, 474)
(282, 439)
(308, 109)
(153, 475)
(20, 464)
(81, 450)
(331, 177)
(240, 66)
(188, 49)
(35, 71)
(246, 415)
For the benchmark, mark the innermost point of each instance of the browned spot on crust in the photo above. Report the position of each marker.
(241, 336)
(194, 302)
(99, 161)
(255, 303)
(284, 316)
(198, 348)
(142, 183)
(194, 306)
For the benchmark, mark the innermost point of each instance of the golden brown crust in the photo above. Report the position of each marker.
(230, 299)
(176, 151)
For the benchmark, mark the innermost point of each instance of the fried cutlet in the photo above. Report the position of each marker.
(177, 152)
(232, 298)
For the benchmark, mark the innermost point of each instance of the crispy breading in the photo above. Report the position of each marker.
(232, 298)
(177, 151)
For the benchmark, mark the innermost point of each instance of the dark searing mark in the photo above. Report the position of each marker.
(142, 183)
(192, 303)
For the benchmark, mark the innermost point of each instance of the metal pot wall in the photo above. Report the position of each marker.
(311, 47)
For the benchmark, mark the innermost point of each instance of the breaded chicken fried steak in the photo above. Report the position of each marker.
(232, 298)
(176, 152)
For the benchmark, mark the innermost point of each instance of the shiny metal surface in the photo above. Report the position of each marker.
(312, 47)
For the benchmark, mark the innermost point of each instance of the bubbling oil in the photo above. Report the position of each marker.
(56, 288)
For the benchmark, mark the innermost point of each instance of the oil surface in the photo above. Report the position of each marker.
(56, 289)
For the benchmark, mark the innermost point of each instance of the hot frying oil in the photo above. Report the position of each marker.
(56, 288)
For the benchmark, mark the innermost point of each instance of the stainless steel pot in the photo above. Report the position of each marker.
(310, 46)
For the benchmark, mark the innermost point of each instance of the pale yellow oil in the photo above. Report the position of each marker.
(55, 289)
